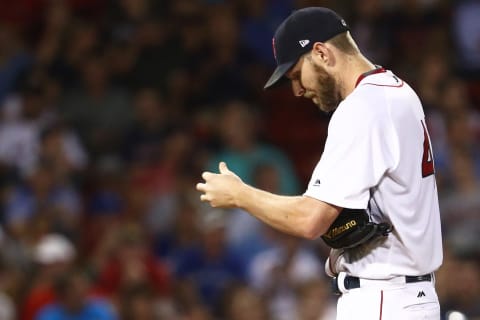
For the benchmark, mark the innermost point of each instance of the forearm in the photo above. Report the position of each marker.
(297, 215)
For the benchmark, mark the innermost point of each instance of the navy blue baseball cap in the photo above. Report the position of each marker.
(298, 32)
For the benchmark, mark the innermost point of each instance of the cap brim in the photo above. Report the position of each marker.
(278, 75)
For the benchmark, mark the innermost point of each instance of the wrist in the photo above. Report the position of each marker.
(241, 193)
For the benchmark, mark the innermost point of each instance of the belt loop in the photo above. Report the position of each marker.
(341, 282)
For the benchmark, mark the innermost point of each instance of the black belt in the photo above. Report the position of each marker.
(351, 282)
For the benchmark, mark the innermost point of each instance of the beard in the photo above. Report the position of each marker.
(326, 94)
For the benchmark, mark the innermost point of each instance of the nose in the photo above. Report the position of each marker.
(297, 88)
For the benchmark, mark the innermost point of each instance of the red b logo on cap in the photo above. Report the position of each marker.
(273, 47)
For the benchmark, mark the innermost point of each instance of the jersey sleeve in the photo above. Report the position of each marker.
(358, 151)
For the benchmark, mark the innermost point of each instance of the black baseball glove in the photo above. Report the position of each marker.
(352, 228)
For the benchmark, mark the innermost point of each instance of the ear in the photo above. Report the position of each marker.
(322, 53)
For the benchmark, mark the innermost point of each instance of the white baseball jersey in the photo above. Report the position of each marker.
(377, 155)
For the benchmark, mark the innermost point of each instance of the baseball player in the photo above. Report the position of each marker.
(372, 196)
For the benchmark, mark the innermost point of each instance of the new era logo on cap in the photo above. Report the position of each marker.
(304, 43)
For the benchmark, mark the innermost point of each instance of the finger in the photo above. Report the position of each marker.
(222, 166)
(205, 175)
(204, 198)
(200, 186)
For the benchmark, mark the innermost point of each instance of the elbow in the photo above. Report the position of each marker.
(311, 235)
(312, 229)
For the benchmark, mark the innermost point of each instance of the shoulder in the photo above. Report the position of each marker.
(385, 87)
(359, 110)
(373, 98)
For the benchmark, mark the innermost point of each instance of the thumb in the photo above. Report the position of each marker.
(222, 166)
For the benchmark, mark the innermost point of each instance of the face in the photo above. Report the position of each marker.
(312, 81)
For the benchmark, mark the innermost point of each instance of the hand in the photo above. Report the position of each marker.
(220, 189)
(331, 265)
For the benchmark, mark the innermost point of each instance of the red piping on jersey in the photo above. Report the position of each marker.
(369, 73)
(386, 85)
(381, 303)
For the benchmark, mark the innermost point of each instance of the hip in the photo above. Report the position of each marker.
(387, 300)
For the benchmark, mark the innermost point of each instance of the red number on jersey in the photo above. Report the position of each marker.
(427, 159)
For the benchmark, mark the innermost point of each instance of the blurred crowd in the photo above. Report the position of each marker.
(111, 109)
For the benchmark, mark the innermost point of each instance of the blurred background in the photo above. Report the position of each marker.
(111, 109)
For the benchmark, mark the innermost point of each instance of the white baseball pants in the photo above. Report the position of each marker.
(387, 300)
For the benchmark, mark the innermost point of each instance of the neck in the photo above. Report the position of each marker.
(352, 68)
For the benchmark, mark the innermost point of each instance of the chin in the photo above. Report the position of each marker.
(326, 109)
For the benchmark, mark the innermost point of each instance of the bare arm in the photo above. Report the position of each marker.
(297, 215)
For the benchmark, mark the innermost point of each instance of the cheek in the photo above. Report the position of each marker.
(309, 81)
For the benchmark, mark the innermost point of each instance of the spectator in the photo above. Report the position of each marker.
(466, 33)
(243, 150)
(188, 301)
(314, 301)
(80, 40)
(137, 303)
(277, 272)
(43, 196)
(53, 255)
(258, 22)
(212, 266)
(370, 19)
(89, 108)
(242, 303)
(61, 147)
(463, 124)
(14, 59)
(22, 120)
(105, 204)
(143, 143)
(458, 283)
(131, 263)
(181, 237)
(246, 234)
(7, 304)
(229, 60)
(72, 300)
